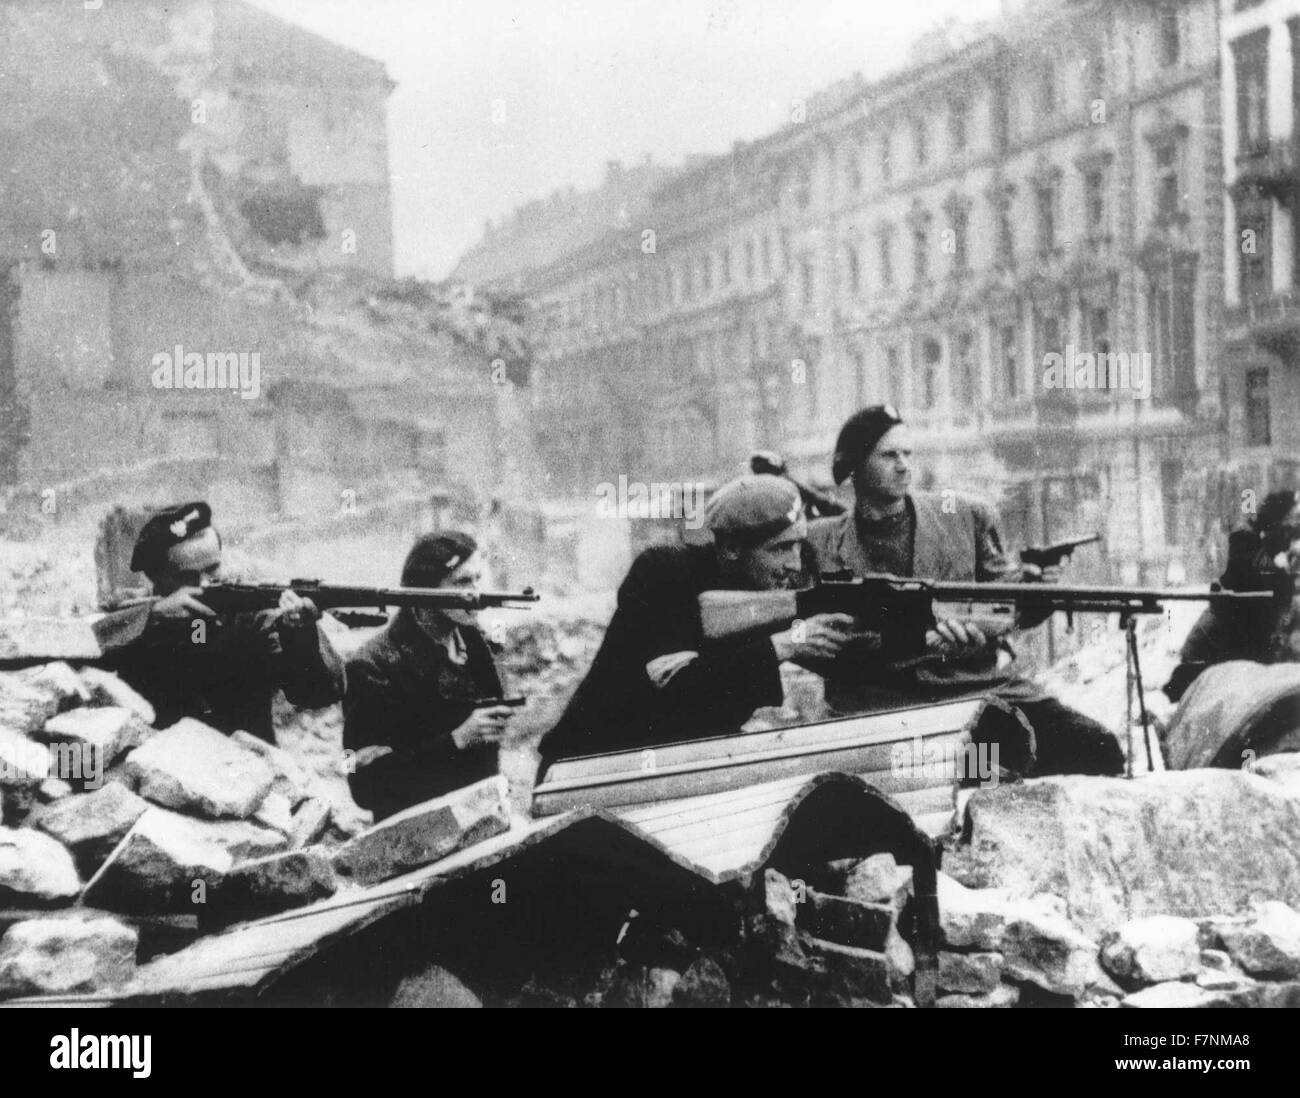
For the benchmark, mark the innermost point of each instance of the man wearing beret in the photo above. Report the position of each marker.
(226, 671)
(940, 536)
(655, 680)
(410, 715)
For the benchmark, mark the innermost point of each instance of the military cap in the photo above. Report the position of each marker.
(168, 527)
(753, 508)
(859, 435)
(435, 556)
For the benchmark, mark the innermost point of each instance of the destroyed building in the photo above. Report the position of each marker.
(201, 179)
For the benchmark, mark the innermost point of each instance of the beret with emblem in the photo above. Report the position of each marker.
(858, 437)
(168, 527)
(435, 556)
(753, 508)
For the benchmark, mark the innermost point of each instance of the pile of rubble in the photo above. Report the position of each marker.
(172, 831)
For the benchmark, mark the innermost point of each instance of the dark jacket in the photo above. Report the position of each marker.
(654, 680)
(229, 680)
(405, 692)
(956, 540)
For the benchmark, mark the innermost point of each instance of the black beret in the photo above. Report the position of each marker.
(168, 527)
(435, 556)
(859, 435)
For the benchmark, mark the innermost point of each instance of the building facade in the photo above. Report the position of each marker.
(1261, 364)
(1018, 238)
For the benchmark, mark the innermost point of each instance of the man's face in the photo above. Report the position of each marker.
(886, 473)
(467, 576)
(195, 562)
(776, 563)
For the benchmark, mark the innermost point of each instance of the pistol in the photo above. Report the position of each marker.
(1047, 556)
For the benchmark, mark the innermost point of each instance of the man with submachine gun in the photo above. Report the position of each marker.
(899, 618)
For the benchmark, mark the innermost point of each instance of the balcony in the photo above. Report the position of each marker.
(1268, 168)
(1271, 323)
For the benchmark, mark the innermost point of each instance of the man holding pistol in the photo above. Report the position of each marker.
(947, 537)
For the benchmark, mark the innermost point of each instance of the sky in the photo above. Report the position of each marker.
(577, 83)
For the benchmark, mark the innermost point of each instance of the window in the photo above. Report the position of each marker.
(1045, 199)
(1250, 58)
(785, 250)
(709, 269)
(767, 257)
(931, 354)
(886, 257)
(806, 281)
(1005, 242)
(853, 269)
(1170, 35)
(1258, 426)
(859, 379)
(886, 157)
(1098, 318)
(1049, 336)
(1094, 76)
(1047, 91)
(1001, 117)
(1094, 192)
(803, 187)
(960, 239)
(957, 125)
(1255, 282)
(1171, 482)
(854, 171)
(749, 259)
(1167, 197)
(1010, 380)
(894, 376)
(920, 252)
(920, 143)
(964, 382)
(1172, 317)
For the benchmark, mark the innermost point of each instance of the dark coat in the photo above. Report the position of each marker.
(405, 692)
(714, 691)
(230, 679)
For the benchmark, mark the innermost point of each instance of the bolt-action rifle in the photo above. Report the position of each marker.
(235, 598)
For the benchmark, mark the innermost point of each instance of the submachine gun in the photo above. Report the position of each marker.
(900, 611)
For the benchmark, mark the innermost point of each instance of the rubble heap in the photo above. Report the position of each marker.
(119, 834)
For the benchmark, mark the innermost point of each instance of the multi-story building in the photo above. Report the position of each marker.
(175, 172)
(1050, 185)
(1261, 139)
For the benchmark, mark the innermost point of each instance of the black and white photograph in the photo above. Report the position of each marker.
(652, 504)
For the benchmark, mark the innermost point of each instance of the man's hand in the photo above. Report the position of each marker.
(822, 636)
(956, 639)
(182, 605)
(1031, 573)
(366, 755)
(295, 611)
(483, 726)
